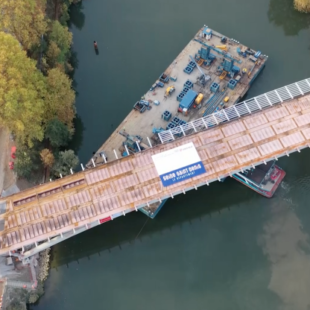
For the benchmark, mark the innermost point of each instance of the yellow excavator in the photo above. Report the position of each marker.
(169, 91)
(223, 75)
(200, 62)
(222, 47)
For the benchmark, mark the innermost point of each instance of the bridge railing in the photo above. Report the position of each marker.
(246, 107)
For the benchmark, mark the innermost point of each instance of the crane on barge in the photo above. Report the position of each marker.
(203, 79)
(219, 51)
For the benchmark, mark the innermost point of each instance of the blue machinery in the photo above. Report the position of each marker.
(227, 68)
(132, 144)
(205, 57)
(227, 55)
(203, 79)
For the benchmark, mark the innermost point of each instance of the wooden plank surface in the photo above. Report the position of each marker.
(84, 197)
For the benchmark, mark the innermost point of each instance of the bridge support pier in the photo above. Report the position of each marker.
(52, 241)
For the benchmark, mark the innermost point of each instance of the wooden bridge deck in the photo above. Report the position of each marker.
(64, 205)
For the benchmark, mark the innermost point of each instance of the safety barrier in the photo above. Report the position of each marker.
(246, 107)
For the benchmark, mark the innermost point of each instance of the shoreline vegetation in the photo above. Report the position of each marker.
(18, 298)
(302, 5)
(36, 94)
(37, 100)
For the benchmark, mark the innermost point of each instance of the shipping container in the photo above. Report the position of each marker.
(187, 100)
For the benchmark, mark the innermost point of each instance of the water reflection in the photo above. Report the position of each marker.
(77, 17)
(77, 139)
(283, 14)
(74, 62)
(127, 230)
(287, 247)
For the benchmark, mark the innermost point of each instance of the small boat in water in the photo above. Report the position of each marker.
(263, 179)
(152, 210)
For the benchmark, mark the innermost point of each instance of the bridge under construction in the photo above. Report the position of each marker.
(243, 136)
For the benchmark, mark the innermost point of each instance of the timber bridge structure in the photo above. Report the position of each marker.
(243, 136)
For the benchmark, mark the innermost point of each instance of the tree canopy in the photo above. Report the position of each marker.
(36, 95)
(22, 90)
(62, 37)
(57, 133)
(65, 161)
(59, 99)
(53, 54)
(24, 19)
(47, 158)
(26, 162)
(302, 5)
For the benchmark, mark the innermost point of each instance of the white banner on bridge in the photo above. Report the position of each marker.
(178, 164)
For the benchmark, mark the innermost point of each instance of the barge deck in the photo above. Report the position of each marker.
(142, 124)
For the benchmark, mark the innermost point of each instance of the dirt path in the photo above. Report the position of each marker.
(7, 177)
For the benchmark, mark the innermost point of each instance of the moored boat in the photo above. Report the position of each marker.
(263, 179)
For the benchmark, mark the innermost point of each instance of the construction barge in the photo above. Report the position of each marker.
(211, 73)
(264, 179)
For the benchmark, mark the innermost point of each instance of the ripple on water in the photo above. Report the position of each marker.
(302, 183)
(286, 246)
(286, 186)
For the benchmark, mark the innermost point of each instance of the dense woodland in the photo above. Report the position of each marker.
(36, 95)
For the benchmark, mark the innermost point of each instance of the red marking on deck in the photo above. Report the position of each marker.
(106, 219)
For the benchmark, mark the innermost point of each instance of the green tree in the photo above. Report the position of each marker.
(57, 133)
(16, 305)
(22, 89)
(59, 99)
(25, 162)
(40, 288)
(52, 54)
(64, 162)
(33, 297)
(60, 9)
(62, 37)
(47, 158)
(25, 19)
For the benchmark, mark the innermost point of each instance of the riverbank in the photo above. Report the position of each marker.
(23, 283)
(27, 285)
(49, 61)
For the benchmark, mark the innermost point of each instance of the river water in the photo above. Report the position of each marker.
(221, 247)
